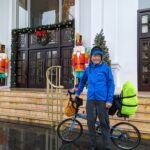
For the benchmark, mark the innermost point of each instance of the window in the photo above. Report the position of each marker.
(34, 13)
(145, 23)
(22, 13)
(44, 12)
(143, 4)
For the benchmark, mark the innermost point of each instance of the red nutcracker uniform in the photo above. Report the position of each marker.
(3, 65)
(79, 60)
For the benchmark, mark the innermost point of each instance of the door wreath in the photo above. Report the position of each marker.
(42, 37)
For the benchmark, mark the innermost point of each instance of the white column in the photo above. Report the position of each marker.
(111, 25)
(77, 16)
(127, 40)
(83, 20)
(4, 13)
(89, 16)
(97, 18)
(8, 21)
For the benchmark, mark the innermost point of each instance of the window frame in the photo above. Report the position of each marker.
(17, 13)
(29, 12)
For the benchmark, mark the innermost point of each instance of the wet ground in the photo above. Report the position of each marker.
(23, 137)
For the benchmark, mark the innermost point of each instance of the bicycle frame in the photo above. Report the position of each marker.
(84, 116)
(118, 132)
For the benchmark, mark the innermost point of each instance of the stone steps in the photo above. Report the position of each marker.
(143, 115)
(31, 106)
(29, 116)
(144, 107)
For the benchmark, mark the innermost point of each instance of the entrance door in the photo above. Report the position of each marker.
(39, 62)
(144, 65)
(36, 77)
(21, 67)
(34, 59)
(144, 50)
(52, 59)
(66, 54)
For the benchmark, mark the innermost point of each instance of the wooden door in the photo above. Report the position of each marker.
(34, 59)
(144, 50)
(66, 54)
(36, 77)
(144, 65)
(21, 69)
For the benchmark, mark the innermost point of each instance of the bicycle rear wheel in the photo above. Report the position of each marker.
(69, 130)
(125, 136)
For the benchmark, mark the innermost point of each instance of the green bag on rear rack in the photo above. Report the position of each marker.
(129, 101)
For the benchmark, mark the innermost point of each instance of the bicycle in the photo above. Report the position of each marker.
(124, 135)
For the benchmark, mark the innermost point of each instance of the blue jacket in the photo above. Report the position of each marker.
(100, 83)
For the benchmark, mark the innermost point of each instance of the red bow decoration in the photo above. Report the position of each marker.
(41, 33)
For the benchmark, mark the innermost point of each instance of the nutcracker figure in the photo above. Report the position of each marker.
(3, 65)
(79, 61)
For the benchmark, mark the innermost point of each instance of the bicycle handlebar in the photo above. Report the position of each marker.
(77, 100)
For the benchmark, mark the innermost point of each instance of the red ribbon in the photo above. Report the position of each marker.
(41, 33)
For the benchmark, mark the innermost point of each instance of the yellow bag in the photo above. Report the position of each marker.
(70, 109)
(130, 100)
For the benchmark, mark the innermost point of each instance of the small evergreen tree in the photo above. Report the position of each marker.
(100, 41)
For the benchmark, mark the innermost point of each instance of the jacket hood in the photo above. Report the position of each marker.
(95, 51)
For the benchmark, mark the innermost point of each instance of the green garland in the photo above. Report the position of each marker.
(14, 45)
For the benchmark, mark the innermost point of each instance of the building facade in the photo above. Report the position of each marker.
(124, 28)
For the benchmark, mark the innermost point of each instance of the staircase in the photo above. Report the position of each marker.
(33, 105)
(45, 107)
(29, 106)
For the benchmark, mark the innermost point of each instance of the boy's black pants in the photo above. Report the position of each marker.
(98, 108)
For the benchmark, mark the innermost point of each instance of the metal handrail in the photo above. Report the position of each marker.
(54, 89)
(47, 77)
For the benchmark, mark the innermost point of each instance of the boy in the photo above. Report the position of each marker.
(99, 96)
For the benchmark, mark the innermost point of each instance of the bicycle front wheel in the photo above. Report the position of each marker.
(69, 130)
(125, 136)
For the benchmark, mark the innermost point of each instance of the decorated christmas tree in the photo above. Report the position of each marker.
(100, 41)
